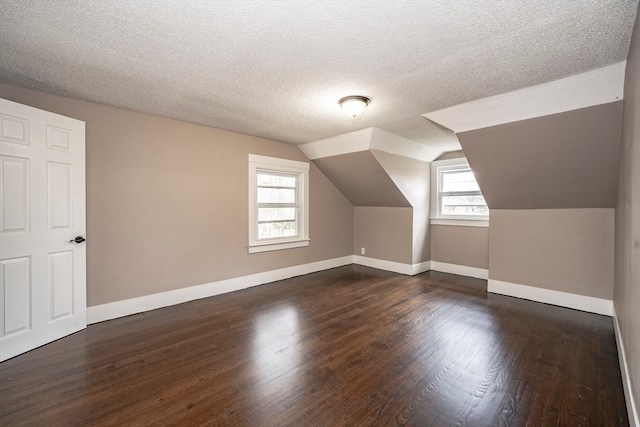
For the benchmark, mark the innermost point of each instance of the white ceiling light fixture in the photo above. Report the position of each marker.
(354, 104)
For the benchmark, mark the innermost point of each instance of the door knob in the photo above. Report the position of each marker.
(78, 239)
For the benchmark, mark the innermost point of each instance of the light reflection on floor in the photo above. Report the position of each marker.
(472, 373)
(276, 350)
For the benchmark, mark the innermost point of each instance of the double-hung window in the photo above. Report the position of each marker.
(278, 203)
(456, 196)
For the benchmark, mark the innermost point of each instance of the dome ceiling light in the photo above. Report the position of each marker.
(354, 104)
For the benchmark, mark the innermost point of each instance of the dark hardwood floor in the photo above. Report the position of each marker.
(344, 347)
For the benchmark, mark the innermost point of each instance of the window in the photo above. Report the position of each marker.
(278, 204)
(456, 197)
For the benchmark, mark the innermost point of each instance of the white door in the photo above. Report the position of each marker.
(42, 211)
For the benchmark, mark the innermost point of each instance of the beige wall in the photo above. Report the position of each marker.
(167, 202)
(466, 246)
(413, 178)
(362, 179)
(568, 250)
(560, 161)
(376, 179)
(627, 273)
(385, 233)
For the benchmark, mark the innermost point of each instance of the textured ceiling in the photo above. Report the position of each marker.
(277, 68)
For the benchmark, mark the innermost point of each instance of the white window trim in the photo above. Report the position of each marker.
(274, 164)
(436, 218)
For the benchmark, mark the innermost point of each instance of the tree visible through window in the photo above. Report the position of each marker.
(460, 194)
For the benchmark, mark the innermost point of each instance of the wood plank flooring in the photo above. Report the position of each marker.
(351, 346)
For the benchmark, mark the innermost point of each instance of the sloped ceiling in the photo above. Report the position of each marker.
(361, 178)
(565, 160)
(277, 68)
(379, 178)
(375, 168)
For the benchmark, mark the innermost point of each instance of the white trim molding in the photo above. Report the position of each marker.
(461, 270)
(396, 267)
(548, 296)
(460, 222)
(100, 313)
(421, 267)
(594, 87)
(103, 312)
(632, 409)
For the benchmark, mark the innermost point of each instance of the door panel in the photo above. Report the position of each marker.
(42, 209)
(59, 206)
(61, 284)
(14, 205)
(16, 286)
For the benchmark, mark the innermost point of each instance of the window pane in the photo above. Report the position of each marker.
(270, 230)
(464, 205)
(276, 214)
(459, 181)
(278, 203)
(276, 195)
(269, 180)
(465, 211)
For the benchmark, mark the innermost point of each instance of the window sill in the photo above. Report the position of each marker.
(461, 222)
(266, 247)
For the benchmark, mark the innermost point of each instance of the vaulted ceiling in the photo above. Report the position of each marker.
(277, 68)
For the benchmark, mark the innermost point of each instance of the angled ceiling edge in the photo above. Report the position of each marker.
(362, 179)
(595, 87)
(369, 139)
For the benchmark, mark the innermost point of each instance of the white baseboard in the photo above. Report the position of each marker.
(632, 410)
(548, 296)
(421, 267)
(396, 267)
(462, 270)
(100, 313)
(382, 264)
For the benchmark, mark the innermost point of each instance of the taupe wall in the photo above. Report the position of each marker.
(551, 183)
(626, 297)
(413, 178)
(376, 179)
(560, 161)
(167, 202)
(466, 246)
(362, 179)
(385, 232)
(568, 250)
